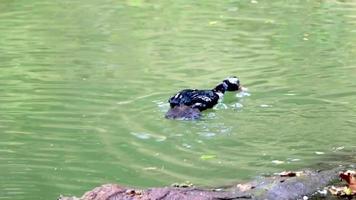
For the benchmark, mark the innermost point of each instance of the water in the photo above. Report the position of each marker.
(84, 86)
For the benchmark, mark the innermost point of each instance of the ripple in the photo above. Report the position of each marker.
(146, 136)
(83, 99)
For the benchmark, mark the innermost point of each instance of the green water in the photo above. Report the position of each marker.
(84, 86)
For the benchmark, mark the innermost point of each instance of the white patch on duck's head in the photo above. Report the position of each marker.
(233, 83)
(232, 80)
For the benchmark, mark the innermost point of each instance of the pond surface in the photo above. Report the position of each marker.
(84, 86)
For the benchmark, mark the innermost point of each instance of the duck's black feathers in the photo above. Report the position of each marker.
(200, 99)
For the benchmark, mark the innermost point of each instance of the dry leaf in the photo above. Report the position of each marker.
(340, 191)
(349, 177)
(244, 187)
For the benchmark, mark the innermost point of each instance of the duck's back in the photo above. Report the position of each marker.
(200, 99)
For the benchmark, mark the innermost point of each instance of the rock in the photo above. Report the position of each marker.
(268, 188)
(183, 112)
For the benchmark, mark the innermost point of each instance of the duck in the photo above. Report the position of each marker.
(188, 103)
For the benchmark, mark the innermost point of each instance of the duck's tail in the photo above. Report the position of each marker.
(183, 112)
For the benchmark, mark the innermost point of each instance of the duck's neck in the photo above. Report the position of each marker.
(221, 88)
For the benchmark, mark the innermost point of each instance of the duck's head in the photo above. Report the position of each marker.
(232, 83)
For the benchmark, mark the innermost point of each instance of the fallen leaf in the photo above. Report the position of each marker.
(338, 191)
(207, 157)
(183, 185)
(348, 191)
(244, 187)
(150, 168)
(277, 162)
(349, 177)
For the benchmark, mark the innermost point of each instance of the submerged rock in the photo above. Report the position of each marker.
(183, 112)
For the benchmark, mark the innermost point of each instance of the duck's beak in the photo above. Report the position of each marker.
(242, 89)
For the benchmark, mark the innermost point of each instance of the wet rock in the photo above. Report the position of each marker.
(283, 188)
(115, 192)
(270, 188)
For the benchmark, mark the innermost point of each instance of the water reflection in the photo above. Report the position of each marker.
(85, 88)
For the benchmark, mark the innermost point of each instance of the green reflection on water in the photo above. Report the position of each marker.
(84, 87)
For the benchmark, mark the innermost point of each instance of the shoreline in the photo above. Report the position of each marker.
(276, 187)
